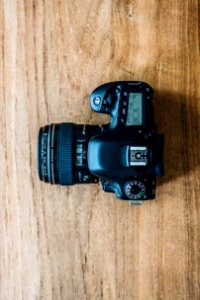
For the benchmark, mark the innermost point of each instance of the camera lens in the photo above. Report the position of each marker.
(62, 153)
(55, 153)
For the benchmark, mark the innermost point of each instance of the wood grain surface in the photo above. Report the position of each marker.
(79, 242)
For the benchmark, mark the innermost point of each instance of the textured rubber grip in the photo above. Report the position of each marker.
(65, 153)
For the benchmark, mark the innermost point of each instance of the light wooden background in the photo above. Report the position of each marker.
(80, 243)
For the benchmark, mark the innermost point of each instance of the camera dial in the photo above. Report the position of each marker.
(135, 190)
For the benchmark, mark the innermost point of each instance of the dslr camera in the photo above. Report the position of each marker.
(125, 155)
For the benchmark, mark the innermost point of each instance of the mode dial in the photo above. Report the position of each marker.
(135, 190)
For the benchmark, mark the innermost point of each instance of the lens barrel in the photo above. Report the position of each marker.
(62, 153)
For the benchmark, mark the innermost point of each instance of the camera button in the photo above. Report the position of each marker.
(123, 111)
(97, 101)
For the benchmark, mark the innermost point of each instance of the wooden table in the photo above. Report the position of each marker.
(79, 242)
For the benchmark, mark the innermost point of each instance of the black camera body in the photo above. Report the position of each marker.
(126, 155)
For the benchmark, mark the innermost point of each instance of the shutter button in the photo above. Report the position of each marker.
(97, 101)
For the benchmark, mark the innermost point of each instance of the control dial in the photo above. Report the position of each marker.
(135, 190)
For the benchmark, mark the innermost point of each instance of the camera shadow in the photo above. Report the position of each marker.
(177, 117)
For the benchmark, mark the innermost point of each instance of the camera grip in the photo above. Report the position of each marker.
(104, 98)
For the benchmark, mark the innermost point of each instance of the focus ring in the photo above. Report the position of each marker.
(65, 153)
